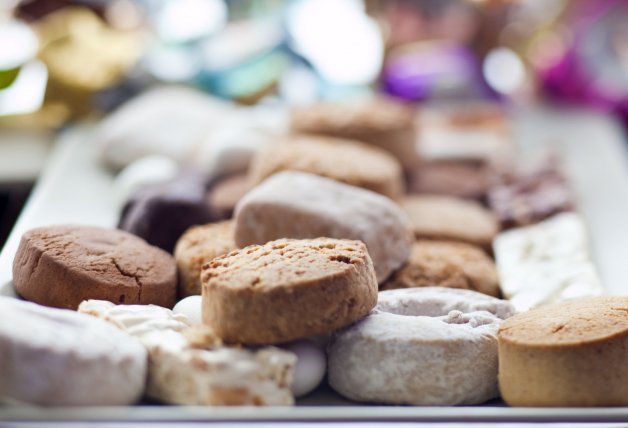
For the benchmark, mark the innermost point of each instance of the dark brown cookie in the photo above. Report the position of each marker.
(60, 266)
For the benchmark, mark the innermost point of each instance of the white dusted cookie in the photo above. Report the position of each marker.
(301, 205)
(187, 368)
(547, 262)
(421, 346)
(56, 357)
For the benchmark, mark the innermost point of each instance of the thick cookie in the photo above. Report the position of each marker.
(54, 357)
(449, 218)
(566, 354)
(197, 246)
(225, 194)
(447, 264)
(287, 289)
(343, 160)
(464, 179)
(382, 122)
(300, 205)
(61, 266)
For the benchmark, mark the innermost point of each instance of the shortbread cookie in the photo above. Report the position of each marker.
(447, 264)
(546, 262)
(300, 205)
(343, 160)
(382, 122)
(421, 346)
(54, 357)
(464, 179)
(566, 354)
(449, 218)
(185, 371)
(197, 246)
(161, 213)
(287, 289)
(61, 266)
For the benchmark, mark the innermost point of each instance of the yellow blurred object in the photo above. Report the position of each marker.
(83, 55)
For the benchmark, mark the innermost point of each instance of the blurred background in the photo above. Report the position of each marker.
(64, 62)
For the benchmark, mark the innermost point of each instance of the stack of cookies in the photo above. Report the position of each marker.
(367, 244)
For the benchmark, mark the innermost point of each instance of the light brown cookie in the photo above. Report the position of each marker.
(449, 218)
(60, 266)
(573, 353)
(197, 246)
(343, 160)
(287, 289)
(460, 178)
(224, 195)
(382, 122)
(447, 264)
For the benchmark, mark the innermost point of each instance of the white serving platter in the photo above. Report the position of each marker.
(74, 188)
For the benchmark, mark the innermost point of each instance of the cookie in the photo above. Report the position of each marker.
(197, 246)
(421, 346)
(459, 178)
(382, 122)
(287, 289)
(546, 262)
(61, 266)
(300, 205)
(225, 194)
(160, 213)
(465, 131)
(449, 218)
(447, 264)
(188, 367)
(53, 357)
(342, 160)
(569, 354)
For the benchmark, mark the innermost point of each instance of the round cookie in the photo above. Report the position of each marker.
(449, 218)
(447, 264)
(225, 194)
(343, 160)
(573, 353)
(299, 205)
(460, 178)
(190, 307)
(197, 246)
(381, 122)
(61, 266)
(421, 346)
(54, 357)
(287, 289)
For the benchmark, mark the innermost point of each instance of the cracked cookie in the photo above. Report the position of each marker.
(60, 266)
(287, 289)
(447, 264)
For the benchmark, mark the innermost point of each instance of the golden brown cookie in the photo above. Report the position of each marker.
(343, 160)
(447, 264)
(287, 289)
(60, 266)
(449, 218)
(382, 122)
(573, 353)
(197, 246)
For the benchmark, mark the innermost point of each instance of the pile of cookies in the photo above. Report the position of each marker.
(391, 251)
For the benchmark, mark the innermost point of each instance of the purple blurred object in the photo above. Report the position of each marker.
(434, 70)
(594, 69)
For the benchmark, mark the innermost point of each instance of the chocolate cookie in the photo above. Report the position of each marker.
(447, 264)
(343, 160)
(287, 289)
(382, 122)
(197, 246)
(60, 266)
(449, 218)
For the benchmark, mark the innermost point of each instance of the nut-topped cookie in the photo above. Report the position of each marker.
(447, 264)
(343, 160)
(287, 289)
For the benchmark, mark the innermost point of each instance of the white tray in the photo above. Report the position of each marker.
(74, 189)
